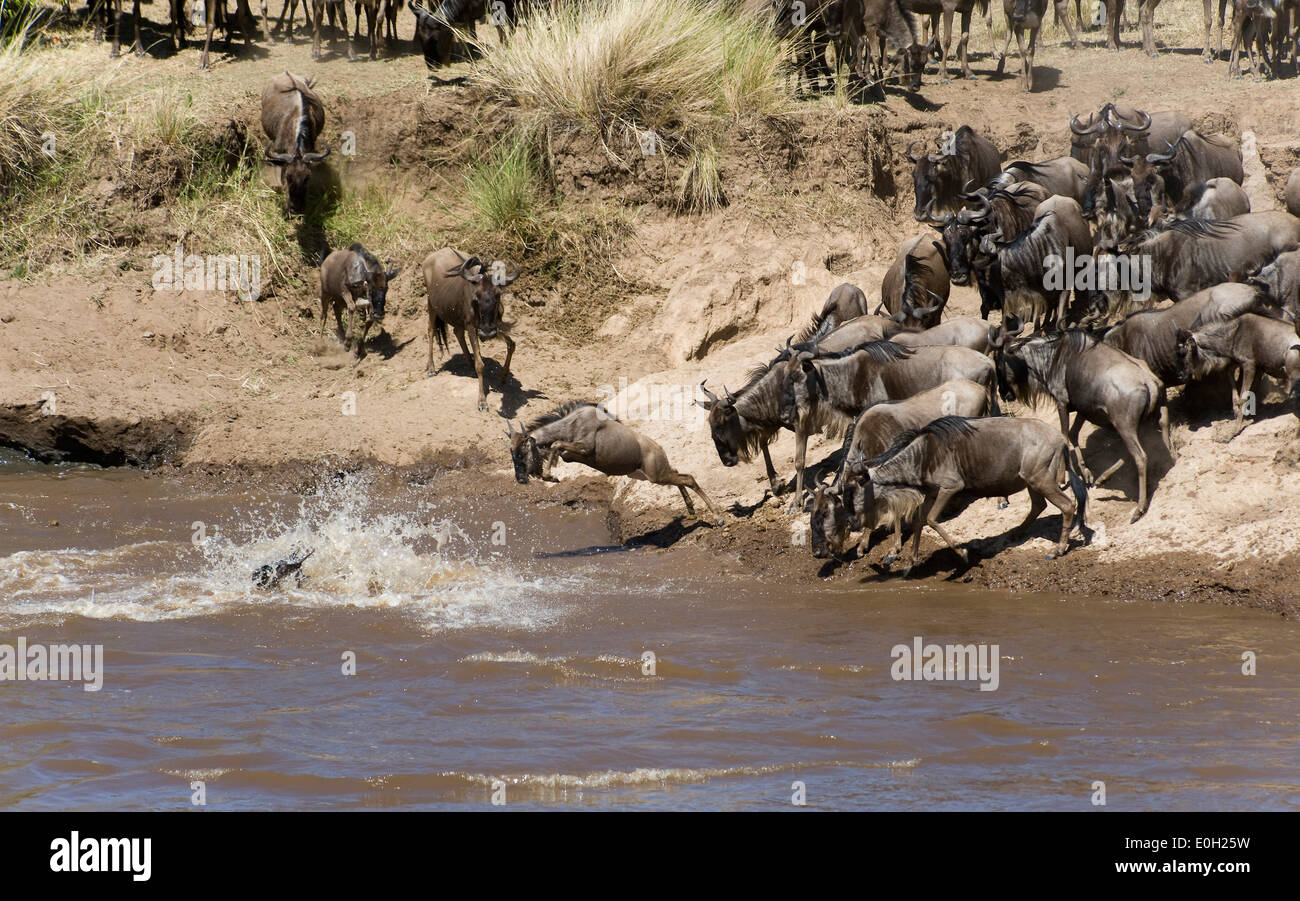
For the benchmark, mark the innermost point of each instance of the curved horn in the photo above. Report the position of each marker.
(278, 158)
(912, 154)
(995, 337)
(731, 398)
(713, 398)
(316, 157)
(1162, 157)
(512, 273)
(1078, 128)
(1012, 319)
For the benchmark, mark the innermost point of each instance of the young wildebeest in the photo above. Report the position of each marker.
(1095, 381)
(1249, 344)
(867, 29)
(292, 117)
(1189, 255)
(582, 432)
(831, 392)
(971, 458)
(966, 160)
(837, 509)
(354, 278)
(466, 294)
(844, 303)
(917, 273)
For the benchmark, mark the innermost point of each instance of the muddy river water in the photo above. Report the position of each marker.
(516, 656)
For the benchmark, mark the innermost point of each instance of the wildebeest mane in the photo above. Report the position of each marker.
(944, 429)
(817, 329)
(1194, 228)
(879, 351)
(562, 411)
(1047, 359)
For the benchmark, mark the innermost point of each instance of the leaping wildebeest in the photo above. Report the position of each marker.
(1098, 383)
(965, 161)
(292, 117)
(354, 278)
(465, 293)
(1250, 344)
(955, 457)
(586, 433)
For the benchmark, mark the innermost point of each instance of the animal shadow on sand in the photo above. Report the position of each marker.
(513, 394)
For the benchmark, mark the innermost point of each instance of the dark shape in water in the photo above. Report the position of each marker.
(269, 576)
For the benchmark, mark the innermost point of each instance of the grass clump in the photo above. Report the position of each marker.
(683, 69)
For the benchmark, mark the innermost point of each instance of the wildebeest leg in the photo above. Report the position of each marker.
(510, 352)
(1208, 10)
(800, 450)
(372, 16)
(1063, 9)
(116, 49)
(684, 481)
(211, 8)
(428, 366)
(1006, 46)
(1164, 429)
(1128, 433)
(137, 48)
(771, 471)
(963, 44)
(361, 341)
(1037, 503)
(864, 542)
(947, 43)
(315, 54)
(932, 520)
(1029, 61)
(1040, 488)
(478, 367)
(1146, 16)
(460, 336)
(1247, 381)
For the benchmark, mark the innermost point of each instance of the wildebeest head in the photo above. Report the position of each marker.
(524, 454)
(828, 525)
(725, 425)
(1194, 359)
(295, 169)
(366, 271)
(485, 284)
(1280, 279)
(1013, 374)
(801, 387)
(434, 36)
(961, 233)
(1117, 214)
(934, 176)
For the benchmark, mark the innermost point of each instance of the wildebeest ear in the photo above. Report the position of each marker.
(393, 273)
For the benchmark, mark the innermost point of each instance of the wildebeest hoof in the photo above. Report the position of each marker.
(888, 560)
(964, 555)
(1003, 504)
(1051, 555)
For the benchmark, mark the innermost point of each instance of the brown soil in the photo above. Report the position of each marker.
(223, 387)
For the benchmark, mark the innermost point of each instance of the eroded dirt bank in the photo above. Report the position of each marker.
(98, 365)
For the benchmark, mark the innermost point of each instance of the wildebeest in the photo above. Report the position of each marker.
(917, 277)
(965, 161)
(1124, 130)
(583, 432)
(373, 23)
(435, 30)
(954, 457)
(830, 392)
(1194, 159)
(868, 34)
(465, 293)
(1280, 279)
(844, 303)
(960, 331)
(271, 574)
(1188, 255)
(837, 509)
(1152, 335)
(335, 8)
(292, 117)
(217, 14)
(747, 420)
(1028, 14)
(290, 8)
(1063, 175)
(1250, 23)
(936, 8)
(1218, 198)
(354, 278)
(814, 24)
(1250, 344)
(1098, 383)
(1032, 266)
(1292, 193)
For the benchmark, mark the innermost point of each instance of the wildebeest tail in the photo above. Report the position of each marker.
(324, 252)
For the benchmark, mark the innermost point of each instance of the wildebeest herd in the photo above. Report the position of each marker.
(1144, 209)
(873, 41)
